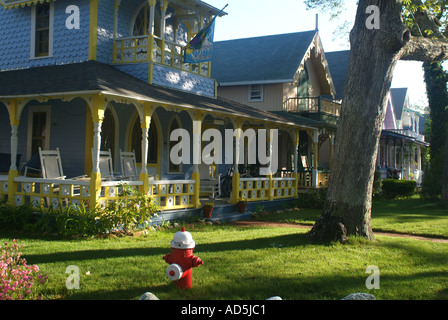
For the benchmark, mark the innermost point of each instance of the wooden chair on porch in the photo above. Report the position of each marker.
(106, 167)
(51, 164)
(210, 182)
(128, 165)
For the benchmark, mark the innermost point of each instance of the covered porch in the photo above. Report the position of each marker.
(86, 96)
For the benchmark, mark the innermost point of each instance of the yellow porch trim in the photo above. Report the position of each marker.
(93, 32)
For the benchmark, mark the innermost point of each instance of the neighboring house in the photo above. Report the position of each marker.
(288, 75)
(399, 153)
(108, 74)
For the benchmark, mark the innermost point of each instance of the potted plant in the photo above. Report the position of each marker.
(241, 205)
(207, 210)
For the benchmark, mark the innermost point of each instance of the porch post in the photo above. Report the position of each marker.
(315, 158)
(13, 172)
(152, 4)
(197, 133)
(145, 125)
(296, 161)
(269, 175)
(98, 106)
(236, 174)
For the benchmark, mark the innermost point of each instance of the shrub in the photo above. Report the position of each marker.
(399, 188)
(377, 184)
(16, 277)
(312, 199)
(129, 212)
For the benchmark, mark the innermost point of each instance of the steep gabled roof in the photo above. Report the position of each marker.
(267, 59)
(398, 96)
(338, 63)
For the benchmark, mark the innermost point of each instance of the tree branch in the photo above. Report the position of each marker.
(425, 49)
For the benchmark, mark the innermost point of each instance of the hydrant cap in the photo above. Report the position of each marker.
(183, 240)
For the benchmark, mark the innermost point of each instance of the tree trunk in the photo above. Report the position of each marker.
(373, 57)
(436, 91)
(445, 174)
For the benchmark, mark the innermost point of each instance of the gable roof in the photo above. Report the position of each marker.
(260, 60)
(398, 96)
(338, 64)
(92, 77)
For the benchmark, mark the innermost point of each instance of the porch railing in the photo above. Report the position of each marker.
(161, 51)
(312, 104)
(259, 189)
(173, 194)
(55, 193)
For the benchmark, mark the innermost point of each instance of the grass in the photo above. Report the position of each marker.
(253, 263)
(413, 216)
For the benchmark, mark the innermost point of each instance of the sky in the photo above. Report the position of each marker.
(253, 18)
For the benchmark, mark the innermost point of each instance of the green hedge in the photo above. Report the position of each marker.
(399, 188)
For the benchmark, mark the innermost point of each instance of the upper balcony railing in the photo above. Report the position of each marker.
(161, 51)
(409, 133)
(312, 104)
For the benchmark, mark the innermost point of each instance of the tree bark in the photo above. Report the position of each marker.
(373, 56)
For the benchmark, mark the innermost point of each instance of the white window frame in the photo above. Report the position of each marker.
(33, 33)
(253, 89)
(31, 110)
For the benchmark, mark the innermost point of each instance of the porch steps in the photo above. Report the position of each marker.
(221, 213)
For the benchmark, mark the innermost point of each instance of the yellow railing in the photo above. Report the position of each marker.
(172, 194)
(3, 188)
(323, 178)
(45, 193)
(164, 52)
(259, 189)
(254, 189)
(55, 193)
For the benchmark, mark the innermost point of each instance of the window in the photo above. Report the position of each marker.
(256, 93)
(42, 30)
(39, 129)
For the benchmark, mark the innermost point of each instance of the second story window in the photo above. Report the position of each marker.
(256, 93)
(42, 30)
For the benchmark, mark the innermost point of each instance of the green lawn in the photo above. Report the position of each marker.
(409, 216)
(252, 263)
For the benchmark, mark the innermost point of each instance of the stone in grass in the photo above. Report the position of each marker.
(359, 296)
(148, 296)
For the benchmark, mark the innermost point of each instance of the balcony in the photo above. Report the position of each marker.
(312, 105)
(161, 51)
(409, 133)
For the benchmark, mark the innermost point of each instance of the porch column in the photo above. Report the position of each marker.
(269, 175)
(395, 153)
(98, 105)
(236, 174)
(387, 152)
(296, 161)
(145, 125)
(197, 159)
(402, 159)
(152, 4)
(13, 172)
(315, 159)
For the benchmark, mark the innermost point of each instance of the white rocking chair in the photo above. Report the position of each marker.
(210, 183)
(128, 165)
(106, 167)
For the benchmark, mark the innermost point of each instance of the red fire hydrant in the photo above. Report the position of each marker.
(181, 260)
